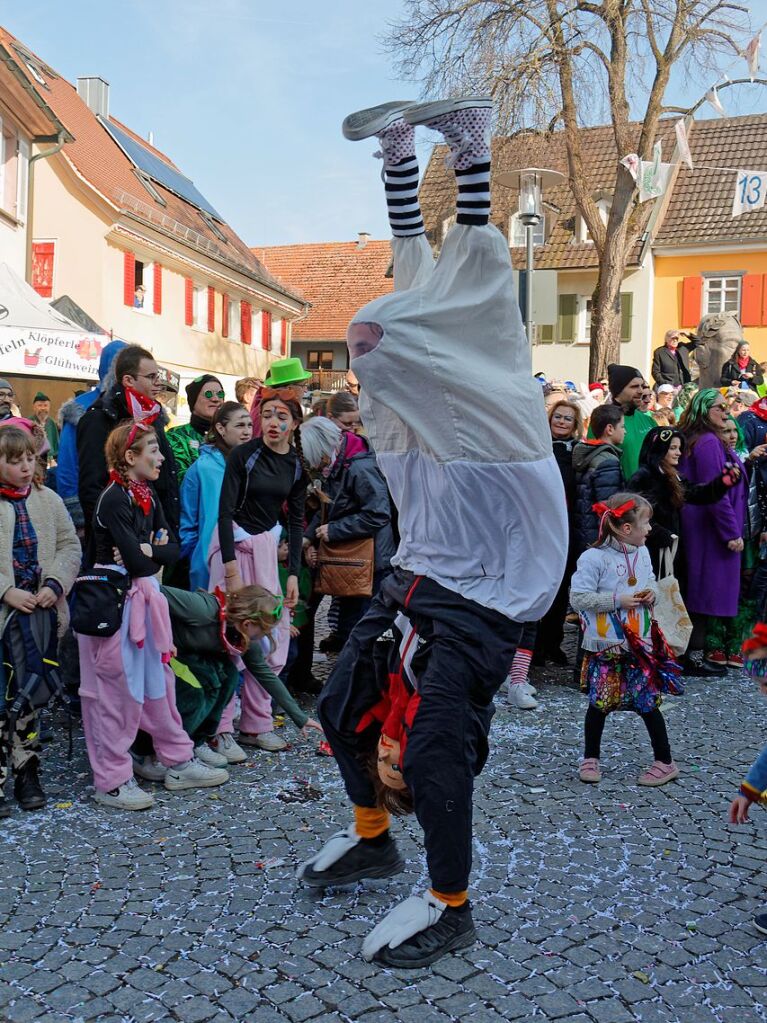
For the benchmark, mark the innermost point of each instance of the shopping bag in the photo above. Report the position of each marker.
(669, 611)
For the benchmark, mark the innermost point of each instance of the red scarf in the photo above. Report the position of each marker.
(743, 363)
(143, 410)
(139, 490)
(14, 493)
(759, 408)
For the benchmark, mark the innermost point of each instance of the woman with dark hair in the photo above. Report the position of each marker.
(566, 427)
(713, 533)
(742, 369)
(343, 410)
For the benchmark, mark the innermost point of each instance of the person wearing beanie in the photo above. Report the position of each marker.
(626, 385)
(204, 395)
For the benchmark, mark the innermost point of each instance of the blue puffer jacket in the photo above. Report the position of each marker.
(71, 414)
(200, 491)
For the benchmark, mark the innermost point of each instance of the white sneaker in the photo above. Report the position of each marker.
(210, 756)
(148, 768)
(362, 124)
(127, 797)
(225, 744)
(528, 688)
(194, 775)
(268, 741)
(521, 700)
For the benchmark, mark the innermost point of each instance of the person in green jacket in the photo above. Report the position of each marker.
(626, 385)
(204, 395)
(214, 633)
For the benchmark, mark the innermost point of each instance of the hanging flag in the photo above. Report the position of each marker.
(713, 97)
(653, 176)
(682, 142)
(631, 163)
(750, 192)
(751, 55)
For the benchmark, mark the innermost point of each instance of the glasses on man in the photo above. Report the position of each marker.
(154, 377)
(210, 395)
(8, 395)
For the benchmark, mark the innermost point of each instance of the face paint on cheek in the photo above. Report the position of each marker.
(283, 427)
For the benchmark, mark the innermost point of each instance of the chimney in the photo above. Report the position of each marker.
(150, 138)
(95, 93)
(363, 237)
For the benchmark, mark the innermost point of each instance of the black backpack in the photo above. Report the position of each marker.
(30, 657)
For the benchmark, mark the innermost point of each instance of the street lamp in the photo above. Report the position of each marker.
(530, 182)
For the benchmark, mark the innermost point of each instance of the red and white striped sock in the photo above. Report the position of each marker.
(520, 667)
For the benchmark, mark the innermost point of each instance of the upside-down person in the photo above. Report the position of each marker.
(440, 362)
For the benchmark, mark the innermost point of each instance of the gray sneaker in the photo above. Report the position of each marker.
(194, 775)
(270, 742)
(210, 756)
(148, 768)
(362, 124)
(127, 796)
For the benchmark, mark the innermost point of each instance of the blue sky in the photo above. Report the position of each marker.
(247, 97)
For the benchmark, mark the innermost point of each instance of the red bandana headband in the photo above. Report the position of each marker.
(602, 509)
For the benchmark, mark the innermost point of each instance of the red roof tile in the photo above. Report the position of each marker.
(336, 277)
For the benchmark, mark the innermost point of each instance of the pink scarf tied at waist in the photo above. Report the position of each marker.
(148, 604)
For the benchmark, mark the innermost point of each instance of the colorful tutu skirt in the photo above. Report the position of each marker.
(614, 680)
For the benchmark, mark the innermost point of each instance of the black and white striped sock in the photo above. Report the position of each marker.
(473, 194)
(401, 183)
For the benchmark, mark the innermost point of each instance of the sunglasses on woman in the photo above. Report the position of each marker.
(213, 394)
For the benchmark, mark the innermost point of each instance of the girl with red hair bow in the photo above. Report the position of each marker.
(627, 665)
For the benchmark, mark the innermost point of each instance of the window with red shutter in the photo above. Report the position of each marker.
(692, 295)
(129, 278)
(211, 310)
(43, 254)
(157, 289)
(284, 337)
(225, 316)
(245, 313)
(188, 302)
(266, 330)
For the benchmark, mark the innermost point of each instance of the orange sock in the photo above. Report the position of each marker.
(370, 822)
(453, 899)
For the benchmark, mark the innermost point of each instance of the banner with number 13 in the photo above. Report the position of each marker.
(750, 192)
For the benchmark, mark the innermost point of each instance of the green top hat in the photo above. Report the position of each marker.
(285, 372)
(40, 397)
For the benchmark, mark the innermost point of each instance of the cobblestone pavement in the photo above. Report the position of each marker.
(607, 903)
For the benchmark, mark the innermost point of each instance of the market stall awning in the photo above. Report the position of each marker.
(38, 340)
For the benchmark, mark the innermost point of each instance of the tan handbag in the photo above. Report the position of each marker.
(345, 568)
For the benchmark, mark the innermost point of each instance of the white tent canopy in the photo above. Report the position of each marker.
(37, 340)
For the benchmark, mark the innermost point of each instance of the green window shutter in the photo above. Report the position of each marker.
(568, 310)
(627, 305)
(546, 332)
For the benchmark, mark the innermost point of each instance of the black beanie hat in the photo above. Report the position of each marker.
(619, 376)
(194, 387)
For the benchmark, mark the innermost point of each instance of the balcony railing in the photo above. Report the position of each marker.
(328, 380)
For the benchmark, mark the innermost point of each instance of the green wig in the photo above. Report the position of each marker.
(695, 416)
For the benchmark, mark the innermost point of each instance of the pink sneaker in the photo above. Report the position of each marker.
(589, 771)
(658, 774)
(464, 123)
(395, 135)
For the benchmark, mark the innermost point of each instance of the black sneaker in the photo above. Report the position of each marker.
(453, 930)
(361, 861)
(27, 788)
(760, 922)
(702, 669)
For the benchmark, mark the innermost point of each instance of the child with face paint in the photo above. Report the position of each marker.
(126, 681)
(260, 477)
(440, 361)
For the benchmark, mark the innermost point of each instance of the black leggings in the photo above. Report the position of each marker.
(654, 723)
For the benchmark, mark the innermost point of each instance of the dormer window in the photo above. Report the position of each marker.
(517, 232)
(582, 233)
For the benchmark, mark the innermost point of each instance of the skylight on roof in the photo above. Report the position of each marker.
(158, 170)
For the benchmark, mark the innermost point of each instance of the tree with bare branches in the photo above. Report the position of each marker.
(560, 63)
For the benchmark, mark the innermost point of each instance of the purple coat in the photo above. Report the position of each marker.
(713, 571)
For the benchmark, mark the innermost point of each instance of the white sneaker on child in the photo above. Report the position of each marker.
(210, 756)
(520, 699)
(149, 768)
(194, 775)
(127, 796)
(225, 744)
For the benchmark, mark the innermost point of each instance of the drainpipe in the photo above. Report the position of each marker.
(59, 139)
